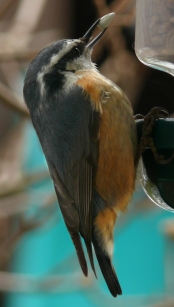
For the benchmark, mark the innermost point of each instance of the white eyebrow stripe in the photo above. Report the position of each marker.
(55, 58)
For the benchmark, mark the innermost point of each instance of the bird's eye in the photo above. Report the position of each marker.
(76, 52)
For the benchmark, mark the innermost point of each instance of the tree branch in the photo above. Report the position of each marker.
(9, 99)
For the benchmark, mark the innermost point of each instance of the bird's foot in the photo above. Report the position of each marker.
(146, 137)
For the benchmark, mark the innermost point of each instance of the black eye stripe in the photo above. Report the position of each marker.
(74, 53)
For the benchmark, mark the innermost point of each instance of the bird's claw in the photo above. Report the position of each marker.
(146, 138)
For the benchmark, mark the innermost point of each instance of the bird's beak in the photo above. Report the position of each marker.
(102, 23)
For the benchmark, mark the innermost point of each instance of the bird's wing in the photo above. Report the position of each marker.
(70, 144)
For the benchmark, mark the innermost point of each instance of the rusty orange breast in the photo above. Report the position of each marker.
(115, 177)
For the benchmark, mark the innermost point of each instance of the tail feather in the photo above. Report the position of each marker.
(107, 269)
(80, 253)
(90, 254)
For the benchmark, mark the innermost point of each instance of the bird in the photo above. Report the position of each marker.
(87, 131)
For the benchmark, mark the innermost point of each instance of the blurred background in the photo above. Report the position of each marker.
(38, 264)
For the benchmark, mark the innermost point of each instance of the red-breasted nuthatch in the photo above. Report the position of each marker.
(87, 131)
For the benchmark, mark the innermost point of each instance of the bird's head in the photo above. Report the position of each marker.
(54, 68)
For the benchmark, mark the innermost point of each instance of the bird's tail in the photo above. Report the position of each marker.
(106, 267)
(80, 253)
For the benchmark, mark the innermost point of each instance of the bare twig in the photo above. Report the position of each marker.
(101, 7)
(9, 99)
(122, 6)
(18, 55)
(31, 284)
(27, 18)
(125, 20)
(5, 6)
(23, 225)
(38, 41)
(22, 182)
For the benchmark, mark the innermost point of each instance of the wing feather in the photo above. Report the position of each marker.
(71, 218)
(70, 143)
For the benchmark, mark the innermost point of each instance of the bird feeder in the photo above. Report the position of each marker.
(154, 46)
(158, 179)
